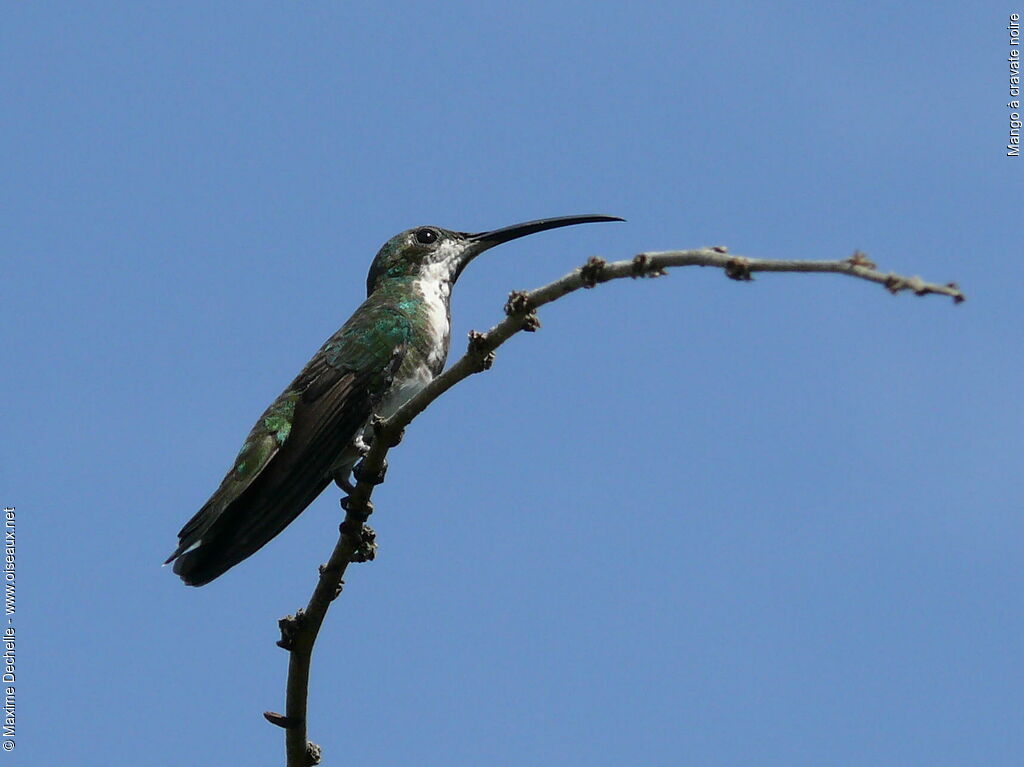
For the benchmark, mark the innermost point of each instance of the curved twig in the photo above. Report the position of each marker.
(356, 540)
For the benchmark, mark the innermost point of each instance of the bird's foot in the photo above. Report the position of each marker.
(361, 445)
(362, 475)
(377, 426)
(342, 481)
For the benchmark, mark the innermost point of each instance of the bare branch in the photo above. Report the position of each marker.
(355, 543)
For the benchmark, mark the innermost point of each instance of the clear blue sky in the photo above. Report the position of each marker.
(689, 522)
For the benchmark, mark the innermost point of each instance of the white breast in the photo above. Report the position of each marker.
(434, 285)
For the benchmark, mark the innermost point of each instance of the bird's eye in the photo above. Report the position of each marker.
(426, 236)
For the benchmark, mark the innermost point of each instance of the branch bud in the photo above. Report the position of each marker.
(592, 272)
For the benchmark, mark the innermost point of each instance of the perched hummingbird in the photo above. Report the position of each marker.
(315, 432)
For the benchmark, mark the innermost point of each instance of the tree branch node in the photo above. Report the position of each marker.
(860, 259)
(290, 625)
(642, 266)
(365, 545)
(356, 510)
(480, 353)
(738, 269)
(518, 303)
(894, 283)
(312, 754)
(478, 342)
(592, 272)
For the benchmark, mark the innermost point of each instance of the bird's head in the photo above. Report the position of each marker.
(444, 253)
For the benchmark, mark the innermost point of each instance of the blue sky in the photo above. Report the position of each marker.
(690, 521)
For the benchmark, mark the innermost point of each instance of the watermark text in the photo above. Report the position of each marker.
(8, 643)
(1013, 143)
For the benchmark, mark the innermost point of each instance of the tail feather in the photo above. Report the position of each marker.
(220, 538)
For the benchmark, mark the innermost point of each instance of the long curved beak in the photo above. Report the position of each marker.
(481, 241)
(514, 232)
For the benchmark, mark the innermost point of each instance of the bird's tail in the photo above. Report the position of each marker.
(221, 535)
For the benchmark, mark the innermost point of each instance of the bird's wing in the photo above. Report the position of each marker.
(285, 462)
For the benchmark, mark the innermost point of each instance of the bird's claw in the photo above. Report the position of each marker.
(341, 480)
(361, 445)
(362, 475)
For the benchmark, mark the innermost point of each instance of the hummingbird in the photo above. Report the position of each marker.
(315, 432)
